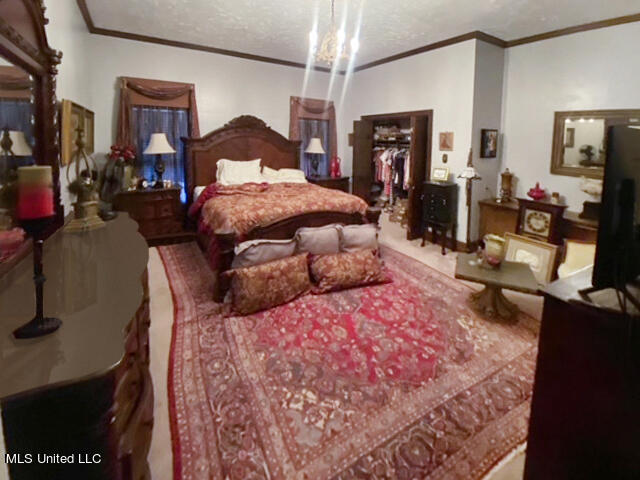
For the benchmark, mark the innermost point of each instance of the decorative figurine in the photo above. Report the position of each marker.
(506, 182)
(335, 169)
(537, 193)
(85, 188)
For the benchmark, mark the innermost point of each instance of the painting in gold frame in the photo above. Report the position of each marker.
(73, 116)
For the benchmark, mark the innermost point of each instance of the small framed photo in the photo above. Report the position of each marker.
(489, 143)
(439, 174)
(540, 256)
(446, 141)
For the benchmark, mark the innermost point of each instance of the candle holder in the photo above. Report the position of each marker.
(39, 325)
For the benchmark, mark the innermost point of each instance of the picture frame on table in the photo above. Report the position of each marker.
(439, 174)
(73, 116)
(489, 143)
(540, 256)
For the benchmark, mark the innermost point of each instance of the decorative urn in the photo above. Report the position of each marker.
(493, 250)
(537, 193)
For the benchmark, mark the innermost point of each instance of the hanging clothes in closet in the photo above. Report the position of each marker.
(392, 170)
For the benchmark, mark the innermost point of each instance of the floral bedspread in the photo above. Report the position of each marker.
(241, 208)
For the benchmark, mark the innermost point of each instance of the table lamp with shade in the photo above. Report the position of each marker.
(315, 149)
(158, 145)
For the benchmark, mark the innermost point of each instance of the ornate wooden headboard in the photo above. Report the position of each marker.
(243, 138)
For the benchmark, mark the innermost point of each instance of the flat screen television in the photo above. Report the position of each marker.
(618, 250)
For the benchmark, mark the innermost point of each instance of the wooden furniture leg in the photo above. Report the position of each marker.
(454, 237)
(444, 240)
(492, 302)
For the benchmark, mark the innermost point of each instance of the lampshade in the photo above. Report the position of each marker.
(158, 143)
(315, 146)
(470, 173)
(19, 147)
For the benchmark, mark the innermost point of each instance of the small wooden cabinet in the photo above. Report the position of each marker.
(499, 218)
(440, 211)
(159, 213)
(338, 183)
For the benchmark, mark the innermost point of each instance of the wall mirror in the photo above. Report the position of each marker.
(579, 140)
(16, 134)
(28, 114)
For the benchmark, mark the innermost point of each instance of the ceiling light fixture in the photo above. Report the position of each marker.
(333, 45)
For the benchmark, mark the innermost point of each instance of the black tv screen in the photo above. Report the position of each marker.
(618, 249)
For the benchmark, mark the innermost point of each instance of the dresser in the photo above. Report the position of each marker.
(159, 213)
(84, 391)
(338, 183)
(440, 212)
(585, 414)
(499, 218)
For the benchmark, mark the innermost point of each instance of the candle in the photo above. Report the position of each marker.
(35, 192)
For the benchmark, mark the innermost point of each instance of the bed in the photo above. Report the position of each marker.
(247, 138)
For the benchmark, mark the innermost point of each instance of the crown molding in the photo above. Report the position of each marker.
(476, 35)
(577, 29)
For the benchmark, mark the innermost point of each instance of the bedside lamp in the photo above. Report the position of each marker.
(158, 144)
(315, 149)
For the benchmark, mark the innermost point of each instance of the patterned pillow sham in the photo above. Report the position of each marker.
(264, 286)
(346, 270)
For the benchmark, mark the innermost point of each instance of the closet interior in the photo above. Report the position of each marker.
(391, 155)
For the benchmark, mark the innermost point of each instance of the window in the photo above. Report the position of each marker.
(174, 123)
(309, 129)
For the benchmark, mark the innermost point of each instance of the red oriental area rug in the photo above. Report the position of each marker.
(395, 381)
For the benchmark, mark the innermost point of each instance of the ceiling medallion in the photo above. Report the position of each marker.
(333, 45)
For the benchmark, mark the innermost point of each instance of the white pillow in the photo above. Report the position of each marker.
(288, 175)
(319, 240)
(231, 172)
(257, 252)
(197, 191)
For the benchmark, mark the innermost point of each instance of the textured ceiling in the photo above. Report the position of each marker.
(280, 28)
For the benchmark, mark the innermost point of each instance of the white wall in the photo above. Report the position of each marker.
(598, 69)
(487, 113)
(441, 80)
(225, 86)
(68, 33)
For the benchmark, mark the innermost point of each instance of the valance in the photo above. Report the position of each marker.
(154, 93)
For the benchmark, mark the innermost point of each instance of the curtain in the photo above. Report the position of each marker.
(313, 109)
(15, 114)
(154, 93)
(174, 123)
(314, 128)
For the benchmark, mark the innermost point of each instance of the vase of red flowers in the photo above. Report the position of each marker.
(123, 157)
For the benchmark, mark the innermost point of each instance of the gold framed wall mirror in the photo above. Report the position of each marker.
(579, 140)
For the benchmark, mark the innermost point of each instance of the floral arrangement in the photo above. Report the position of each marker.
(124, 153)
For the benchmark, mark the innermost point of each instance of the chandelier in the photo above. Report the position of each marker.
(333, 45)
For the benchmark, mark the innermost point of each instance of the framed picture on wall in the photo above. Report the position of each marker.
(489, 143)
(446, 141)
(72, 117)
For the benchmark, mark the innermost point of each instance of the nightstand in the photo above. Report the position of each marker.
(158, 211)
(338, 183)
